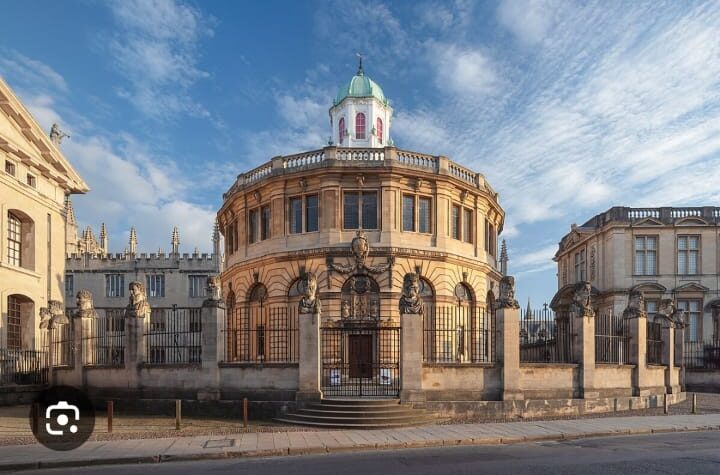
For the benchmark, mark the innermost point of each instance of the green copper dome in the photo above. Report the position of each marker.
(360, 86)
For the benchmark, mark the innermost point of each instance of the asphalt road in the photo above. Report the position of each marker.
(694, 453)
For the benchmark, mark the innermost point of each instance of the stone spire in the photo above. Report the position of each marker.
(216, 245)
(528, 311)
(133, 241)
(71, 230)
(503, 258)
(175, 241)
(104, 246)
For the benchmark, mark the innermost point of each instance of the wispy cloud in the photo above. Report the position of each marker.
(155, 48)
(131, 183)
(528, 20)
(462, 70)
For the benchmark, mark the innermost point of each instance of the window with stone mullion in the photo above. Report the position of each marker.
(425, 215)
(369, 210)
(688, 250)
(311, 213)
(645, 255)
(295, 215)
(408, 213)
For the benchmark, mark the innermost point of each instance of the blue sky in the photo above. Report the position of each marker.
(567, 108)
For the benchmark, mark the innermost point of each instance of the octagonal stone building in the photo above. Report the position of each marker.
(358, 216)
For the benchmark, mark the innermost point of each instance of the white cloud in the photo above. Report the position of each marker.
(537, 257)
(464, 71)
(155, 49)
(529, 20)
(28, 70)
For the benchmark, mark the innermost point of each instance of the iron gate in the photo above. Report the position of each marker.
(361, 361)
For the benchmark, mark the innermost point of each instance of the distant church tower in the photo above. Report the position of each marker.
(360, 115)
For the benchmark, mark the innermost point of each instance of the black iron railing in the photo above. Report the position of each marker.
(174, 336)
(546, 337)
(104, 338)
(702, 354)
(612, 339)
(262, 334)
(654, 343)
(458, 334)
(23, 367)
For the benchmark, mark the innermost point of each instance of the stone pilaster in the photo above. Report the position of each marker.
(309, 372)
(672, 382)
(508, 351)
(680, 353)
(411, 358)
(637, 328)
(584, 348)
(212, 315)
(135, 348)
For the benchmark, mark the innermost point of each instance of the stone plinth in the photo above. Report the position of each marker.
(508, 352)
(411, 358)
(309, 365)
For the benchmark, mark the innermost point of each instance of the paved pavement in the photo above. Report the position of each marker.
(296, 443)
(693, 453)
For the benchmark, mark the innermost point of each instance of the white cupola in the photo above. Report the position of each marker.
(360, 115)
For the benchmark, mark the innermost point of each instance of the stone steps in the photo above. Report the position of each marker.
(358, 414)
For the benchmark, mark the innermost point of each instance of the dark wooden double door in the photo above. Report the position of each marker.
(360, 356)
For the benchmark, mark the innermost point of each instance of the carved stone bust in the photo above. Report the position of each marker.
(213, 287)
(57, 312)
(636, 305)
(139, 307)
(507, 293)
(85, 307)
(45, 318)
(410, 301)
(309, 303)
(582, 303)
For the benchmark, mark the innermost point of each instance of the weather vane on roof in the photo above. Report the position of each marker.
(360, 68)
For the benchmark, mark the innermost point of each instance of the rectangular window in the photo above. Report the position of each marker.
(14, 335)
(31, 180)
(651, 307)
(114, 285)
(14, 240)
(425, 215)
(360, 208)
(351, 210)
(408, 213)
(265, 231)
(580, 266)
(455, 222)
(687, 254)
(253, 226)
(295, 215)
(467, 225)
(195, 321)
(693, 332)
(311, 213)
(493, 240)
(69, 286)
(155, 285)
(197, 285)
(9, 167)
(645, 255)
(369, 209)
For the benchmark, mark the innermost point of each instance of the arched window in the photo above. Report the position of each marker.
(341, 130)
(20, 240)
(464, 295)
(20, 318)
(360, 126)
(257, 294)
(379, 130)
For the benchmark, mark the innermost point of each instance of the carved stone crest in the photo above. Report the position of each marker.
(636, 305)
(410, 301)
(360, 248)
(507, 293)
(85, 307)
(139, 307)
(582, 303)
(309, 303)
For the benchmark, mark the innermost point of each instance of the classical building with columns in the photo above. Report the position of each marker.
(35, 179)
(666, 253)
